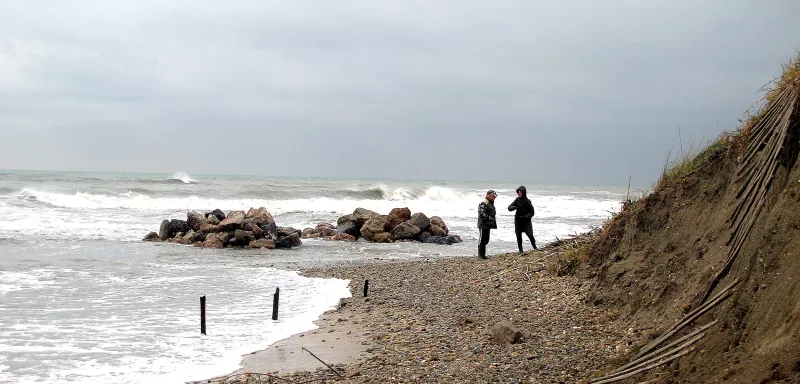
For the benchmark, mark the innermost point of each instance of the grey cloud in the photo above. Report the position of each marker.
(556, 92)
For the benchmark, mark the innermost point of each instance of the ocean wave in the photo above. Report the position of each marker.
(183, 177)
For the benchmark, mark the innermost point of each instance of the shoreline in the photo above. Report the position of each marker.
(432, 320)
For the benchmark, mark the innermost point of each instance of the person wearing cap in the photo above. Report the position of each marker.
(522, 217)
(486, 221)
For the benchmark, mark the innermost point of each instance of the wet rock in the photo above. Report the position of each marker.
(325, 229)
(349, 228)
(217, 213)
(361, 215)
(212, 241)
(405, 231)
(188, 238)
(437, 240)
(436, 230)
(437, 221)
(163, 231)
(420, 221)
(232, 222)
(423, 236)
(262, 243)
(341, 237)
(223, 237)
(290, 241)
(344, 220)
(454, 239)
(397, 216)
(382, 237)
(373, 226)
(309, 233)
(286, 231)
(195, 220)
(264, 220)
(242, 237)
(152, 236)
(211, 219)
(177, 227)
(504, 333)
(252, 227)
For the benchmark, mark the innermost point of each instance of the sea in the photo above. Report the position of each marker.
(84, 300)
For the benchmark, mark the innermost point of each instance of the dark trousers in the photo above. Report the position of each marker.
(526, 228)
(483, 241)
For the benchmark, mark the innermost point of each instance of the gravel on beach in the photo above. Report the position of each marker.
(432, 321)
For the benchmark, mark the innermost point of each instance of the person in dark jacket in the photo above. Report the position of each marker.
(522, 217)
(486, 221)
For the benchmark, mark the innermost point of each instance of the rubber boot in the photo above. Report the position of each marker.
(482, 251)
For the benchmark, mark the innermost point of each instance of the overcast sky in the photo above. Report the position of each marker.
(580, 92)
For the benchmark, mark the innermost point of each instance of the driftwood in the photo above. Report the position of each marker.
(666, 347)
(326, 364)
(691, 316)
(758, 168)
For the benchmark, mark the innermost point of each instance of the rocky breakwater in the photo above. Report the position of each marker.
(398, 225)
(254, 229)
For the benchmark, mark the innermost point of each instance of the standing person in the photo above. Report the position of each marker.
(522, 218)
(486, 221)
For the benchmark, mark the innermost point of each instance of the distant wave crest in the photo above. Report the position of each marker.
(183, 177)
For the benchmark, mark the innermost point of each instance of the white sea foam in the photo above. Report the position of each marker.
(157, 341)
(184, 177)
(128, 216)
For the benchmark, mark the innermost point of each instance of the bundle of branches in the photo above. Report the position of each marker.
(772, 143)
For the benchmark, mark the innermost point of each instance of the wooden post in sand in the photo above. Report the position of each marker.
(203, 314)
(366, 287)
(275, 303)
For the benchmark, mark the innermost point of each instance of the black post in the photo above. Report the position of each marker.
(366, 287)
(203, 314)
(275, 304)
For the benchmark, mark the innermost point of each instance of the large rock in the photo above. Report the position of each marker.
(177, 226)
(341, 237)
(252, 227)
(504, 333)
(405, 231)
(264, 220)
(325, 229)
(382, 237)
(437, 221)
(189, 237)
(195, 220)
(420, 221)
(361, 215)
(349, 228)
(290, 241)
(224, 237)
(218, 214)
(163, 231)
(262, 243)
(309, 233)
(211, 219)
(232, 222)
(242, 237)
(373, 226)
(397, 216)
(152, 236)
(344, 220)
(286, 231)
(437, 240)
(212, 241)
(454, 238)
(436, 230)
